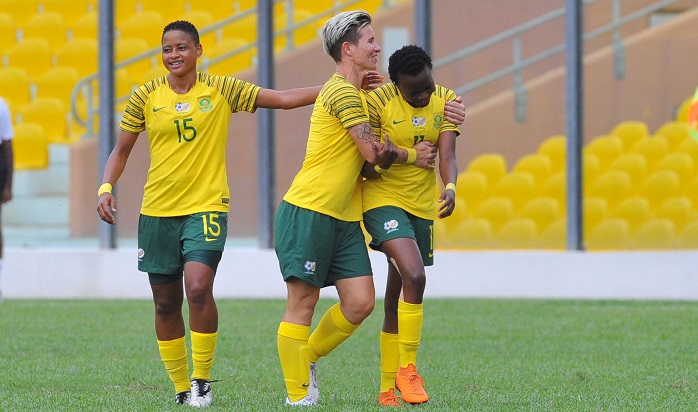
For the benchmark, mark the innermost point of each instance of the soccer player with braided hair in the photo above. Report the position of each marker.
(399, 210)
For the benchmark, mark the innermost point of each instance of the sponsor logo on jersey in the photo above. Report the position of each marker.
(390, 226)
(419, 121)
(182, 107)
(141, 253)
(397, 121)
(309, 268)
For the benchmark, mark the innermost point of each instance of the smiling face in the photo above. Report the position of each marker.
(180, 52)
(416, 89)
(365, 52)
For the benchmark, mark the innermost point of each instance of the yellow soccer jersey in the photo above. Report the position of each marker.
(404, 185)
(187, 134)
(329, 180)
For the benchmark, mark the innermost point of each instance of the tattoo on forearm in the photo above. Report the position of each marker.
(365, 133)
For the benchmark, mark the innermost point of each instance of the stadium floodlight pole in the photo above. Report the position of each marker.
(575, 135)
(422, 24)
(107, 232)
(265, 126)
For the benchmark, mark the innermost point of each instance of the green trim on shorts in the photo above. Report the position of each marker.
(317, 248)
(390, 222)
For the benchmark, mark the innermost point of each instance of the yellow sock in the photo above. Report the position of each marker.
(292, 344)
(174, 356)
(390, 360)
(332, 330)
(203, 347)
(410, 317)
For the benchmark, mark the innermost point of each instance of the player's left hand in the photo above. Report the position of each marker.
(371, 80)
(447, 202)
(454, 111)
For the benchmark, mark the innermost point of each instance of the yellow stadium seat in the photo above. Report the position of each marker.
(682, 112)
(614, 186)
(543, 211)
(610, 234)
(48, 25)
(635, 210)
(688, 239)
(146, 25)
(660, 186)
(302, 34)
(314, 6)
(556, 188)
(70, 10)
(33, 55)
(555, 147)
(538, 165)
(81, 54)
(653, 148)
(656, 234)
(15, 85)
(635, 165)
(690, 147)
(678, 209)
(49, 113)
(442, 236)
(473, 233)
(518, 233)
(630, 132)
(555, 236)
(674, 132)
(520, 187)
(85, 27)
(594, 210)
(124, 9)
(691, 192)
(233, 64)
(201, 19)
(606, 148)
(498, 210)
(157, 71)
(21, 10)
(8, 32)
(30, 147)
(591, 169)
(58, 82)
(681, 163)
(492, 165)
(220, 8)
(170, 10)
(243, 28)
(472, 188)
(127, 48)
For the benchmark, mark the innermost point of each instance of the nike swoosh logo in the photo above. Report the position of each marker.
(305, 385)
(157, 109)
(210, 239)
(397, 122)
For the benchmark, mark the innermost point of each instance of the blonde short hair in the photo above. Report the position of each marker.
(343, 27)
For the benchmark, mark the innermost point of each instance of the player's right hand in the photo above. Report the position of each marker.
(106, 208)
(426, 155)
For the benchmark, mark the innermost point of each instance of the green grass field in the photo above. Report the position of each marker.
(476, 355)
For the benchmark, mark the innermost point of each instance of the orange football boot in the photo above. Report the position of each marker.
(411, 385)
(388, 398)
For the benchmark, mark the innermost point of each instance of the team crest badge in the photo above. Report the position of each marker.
(205, 105)
(438, 121)
(182, 107)
(390, 226)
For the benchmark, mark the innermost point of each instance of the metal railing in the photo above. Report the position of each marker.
(86, 87)
(519, 64)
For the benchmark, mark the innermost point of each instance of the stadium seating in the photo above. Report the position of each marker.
(50, 113)
(613, 186)
(691, 192)
(555, 147)
(543, 211)
(591, 168)
(473, 233)
(659, 186)
(656, 234)
(653, 148)
(635, 165)
(85, 27)
(492, 165)
(15, 86)
(47, 25)
(538, 165)
(30, 147)
(80, 54)
(609, 234)
(127, 48)
(518, 233)
(21, 10)
(70, 10)
(8, 33)
(678, 209)
(201, 19)
(680, 163)
(555, 236)
(556, 188)
(674, 132)
(472, 188)
(690, 147)
(635, 210)
(497, 210)
(232, 64)
(146, 25)
(222, 8)
(630, 132)
(594, 210)
(169, 10)
(606, 148)
(33, 55)
(520, 187)
(688, 239)
(58, 82)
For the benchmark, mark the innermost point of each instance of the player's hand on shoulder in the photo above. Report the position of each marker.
(371, 80)
(454, 111)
